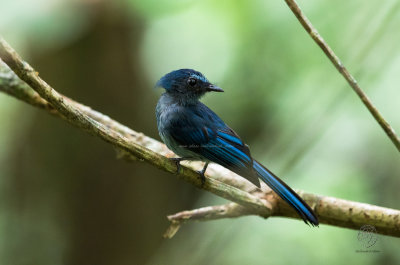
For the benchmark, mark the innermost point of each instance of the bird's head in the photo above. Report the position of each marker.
(186, 83)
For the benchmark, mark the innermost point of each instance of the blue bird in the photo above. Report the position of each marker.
(195, 132)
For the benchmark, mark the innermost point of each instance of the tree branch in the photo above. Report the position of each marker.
(312, 31)
(70, 112)
(135, 146)
(330, 210)
(230, 210)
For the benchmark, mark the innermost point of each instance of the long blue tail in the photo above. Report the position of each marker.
(286, 193)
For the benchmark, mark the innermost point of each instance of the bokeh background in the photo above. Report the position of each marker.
(66, 199)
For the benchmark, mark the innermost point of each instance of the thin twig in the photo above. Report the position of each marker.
(136, 146)
(312, 31)
(230, 210)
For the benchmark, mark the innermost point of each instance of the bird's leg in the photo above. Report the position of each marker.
(202, 177)
(178, 160)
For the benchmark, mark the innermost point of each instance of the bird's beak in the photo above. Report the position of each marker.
(214, 88)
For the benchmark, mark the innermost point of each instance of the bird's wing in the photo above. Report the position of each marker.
(217, 143)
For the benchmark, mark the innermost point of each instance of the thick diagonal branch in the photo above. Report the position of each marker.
(74, 115)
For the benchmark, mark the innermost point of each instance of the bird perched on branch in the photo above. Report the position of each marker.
(194, 132)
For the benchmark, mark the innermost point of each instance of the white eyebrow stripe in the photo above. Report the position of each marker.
(202, 78)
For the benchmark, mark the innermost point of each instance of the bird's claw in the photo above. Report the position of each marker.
(177, 161)
(202, 177)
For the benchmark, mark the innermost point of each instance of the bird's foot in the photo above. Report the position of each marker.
(202, 176)
(177, 161)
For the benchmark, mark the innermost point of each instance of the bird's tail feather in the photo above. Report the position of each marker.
(286, 193)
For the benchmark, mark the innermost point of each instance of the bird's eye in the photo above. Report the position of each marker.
(191, 81)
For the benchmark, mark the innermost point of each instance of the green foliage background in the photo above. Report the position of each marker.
(66, 200)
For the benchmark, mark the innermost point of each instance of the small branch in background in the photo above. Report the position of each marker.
(230, 210)
(134, 146)
(312, 31)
